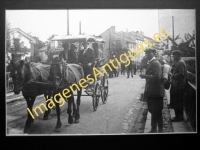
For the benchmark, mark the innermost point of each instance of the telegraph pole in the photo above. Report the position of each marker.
(67, 22)
(110, 45)
(80, 28)
(173, 31)
(173, 38)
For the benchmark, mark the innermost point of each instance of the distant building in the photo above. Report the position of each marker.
(111, 36)
(128, 40)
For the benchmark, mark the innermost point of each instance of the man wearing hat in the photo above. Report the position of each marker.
(154, 90)
(86, 58)
(64, 54)
(178, 85)
(72, 54)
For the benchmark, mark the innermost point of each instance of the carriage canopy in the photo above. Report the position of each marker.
(76, 38)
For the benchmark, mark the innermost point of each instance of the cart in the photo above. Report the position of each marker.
(100, 86)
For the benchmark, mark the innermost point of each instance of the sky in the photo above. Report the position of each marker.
(44, 23)
(184, 22)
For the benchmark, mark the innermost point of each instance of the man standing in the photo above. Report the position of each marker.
(72, 54)
(98, 54)
(134, 67)
(86, 58)
(122, 68)
(63, 56)
(154, 90)
(130, 69)
(178, 85)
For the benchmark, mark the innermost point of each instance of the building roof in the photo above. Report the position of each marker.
(30, 38)
(125, 39)
(118, 36)
(147, 37)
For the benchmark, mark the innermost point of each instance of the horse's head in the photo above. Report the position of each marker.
(55, 73)
(18, 73)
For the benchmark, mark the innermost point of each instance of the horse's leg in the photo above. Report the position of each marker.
(69, 109)
(74, 108)
(58, 124)
(47, 112)
(30, 101)
(78, 102)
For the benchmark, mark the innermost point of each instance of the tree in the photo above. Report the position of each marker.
(187, 46)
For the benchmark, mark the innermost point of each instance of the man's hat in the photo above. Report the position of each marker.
(150, 50)
(177, 52)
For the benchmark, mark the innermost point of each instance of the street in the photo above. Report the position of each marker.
(117, 116)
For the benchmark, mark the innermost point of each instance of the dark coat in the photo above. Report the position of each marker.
(63, 55)
(154, 86)
(130, 66)
(84, 59)
(178, 84)
(72, 57)
(87, 57)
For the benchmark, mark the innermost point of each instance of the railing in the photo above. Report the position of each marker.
(190, 100)
(191, 79)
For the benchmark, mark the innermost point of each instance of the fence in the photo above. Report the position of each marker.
(190, 100)
(190, 95)
(9, 83)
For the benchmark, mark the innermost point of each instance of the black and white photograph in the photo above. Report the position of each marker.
(71, 72)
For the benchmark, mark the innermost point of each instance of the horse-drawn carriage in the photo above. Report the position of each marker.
(35, 79)
(100, 88)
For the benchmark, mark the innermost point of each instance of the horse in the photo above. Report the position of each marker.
(70, 75)
(32, 80)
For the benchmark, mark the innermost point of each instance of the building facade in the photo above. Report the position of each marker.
(128, 40)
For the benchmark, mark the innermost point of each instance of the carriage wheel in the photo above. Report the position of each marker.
(104, 91)
(96, 95)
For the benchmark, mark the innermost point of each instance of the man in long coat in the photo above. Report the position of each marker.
(178, 85)
(130, 69)
(72, 55)
(86, 58)
(63, 56)
(154, 91)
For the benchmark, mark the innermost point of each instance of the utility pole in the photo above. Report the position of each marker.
(67, 22)
(110, 50)
(110, 45)
(173, 39)
(80, 34)
(173, 31)
(80, 28)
